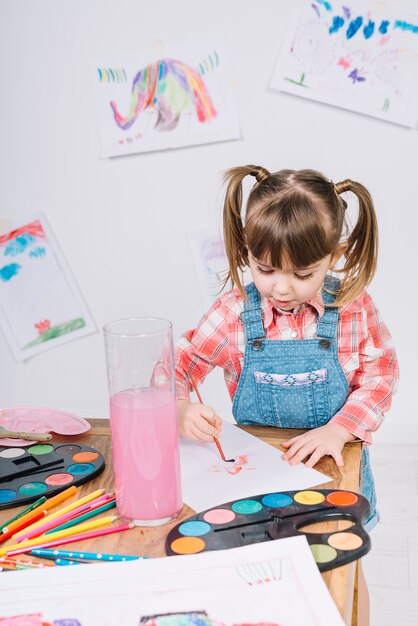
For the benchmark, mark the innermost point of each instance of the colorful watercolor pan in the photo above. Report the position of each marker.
(277, 515)
(44, 470)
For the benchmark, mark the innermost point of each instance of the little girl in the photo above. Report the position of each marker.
(299, 348)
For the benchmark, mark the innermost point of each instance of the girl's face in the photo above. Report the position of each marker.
(289, 287)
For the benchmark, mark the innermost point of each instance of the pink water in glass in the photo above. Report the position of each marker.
(146, 458)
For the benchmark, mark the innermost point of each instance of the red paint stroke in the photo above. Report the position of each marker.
(34, 228)
(239, 464)
(41, 327)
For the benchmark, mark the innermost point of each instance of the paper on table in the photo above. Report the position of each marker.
(272, 583)
(207, 481)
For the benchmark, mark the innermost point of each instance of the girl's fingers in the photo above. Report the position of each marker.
(203, 425)
(289, 442)
(296, 446)
(314, 458)
(200, 435)
(302, 453)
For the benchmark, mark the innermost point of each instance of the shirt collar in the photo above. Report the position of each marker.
(269, 310)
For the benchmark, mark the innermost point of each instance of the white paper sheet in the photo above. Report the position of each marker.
(207, 481)
(41, 305)
(169, 97)
(361, 55)
(275, 583)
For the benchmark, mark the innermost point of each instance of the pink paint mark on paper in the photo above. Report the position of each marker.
(384, 40)
(240, 463)
(345, 63)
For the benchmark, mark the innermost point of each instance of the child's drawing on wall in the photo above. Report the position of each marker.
(40, 303)
(356, 55)
(149, 102)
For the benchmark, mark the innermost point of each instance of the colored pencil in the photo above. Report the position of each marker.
(218, 445)
(51, 525)
(61, 534)
(82, 518)
(5, 526)
(14, 563)
(68, 562)
(90, 556)
(69, 507)
(48, 504)
(28, 522)
(80, 537)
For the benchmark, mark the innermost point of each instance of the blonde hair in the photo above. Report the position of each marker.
(298, 216)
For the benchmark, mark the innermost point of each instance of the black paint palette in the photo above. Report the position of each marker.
(44, 469)
(275, 516)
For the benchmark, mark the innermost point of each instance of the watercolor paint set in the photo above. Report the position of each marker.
(44, 469)
(277, 515)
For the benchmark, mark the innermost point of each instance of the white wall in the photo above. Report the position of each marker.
(122, 222)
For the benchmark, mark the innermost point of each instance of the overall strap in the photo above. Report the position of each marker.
(252, 315)
(327, 324)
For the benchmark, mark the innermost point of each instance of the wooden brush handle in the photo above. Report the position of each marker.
(22, 435)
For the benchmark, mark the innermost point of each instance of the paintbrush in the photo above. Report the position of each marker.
(23, 435)
(218, 445)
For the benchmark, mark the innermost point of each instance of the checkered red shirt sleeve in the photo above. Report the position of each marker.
(374, 379)
(198, 351)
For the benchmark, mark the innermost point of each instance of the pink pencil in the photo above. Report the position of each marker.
(57, 521)
(80, 537)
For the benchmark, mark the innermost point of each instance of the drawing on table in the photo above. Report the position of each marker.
(36, 619)
(191, 618)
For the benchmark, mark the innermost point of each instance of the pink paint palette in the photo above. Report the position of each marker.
(39, 420)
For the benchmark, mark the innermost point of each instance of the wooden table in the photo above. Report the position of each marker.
(150, 541)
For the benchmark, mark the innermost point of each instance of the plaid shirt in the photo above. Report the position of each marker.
(365, 352)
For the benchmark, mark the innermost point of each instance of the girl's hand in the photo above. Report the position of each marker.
(318, 442)
(198, 421)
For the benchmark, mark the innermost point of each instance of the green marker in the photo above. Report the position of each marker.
(29, 508)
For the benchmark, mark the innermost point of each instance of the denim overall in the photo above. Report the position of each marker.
(295, 383)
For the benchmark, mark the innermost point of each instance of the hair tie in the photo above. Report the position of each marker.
(344, 185)
(260, 174)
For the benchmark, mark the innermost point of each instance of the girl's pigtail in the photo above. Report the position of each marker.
(362, 244)
(234, 237)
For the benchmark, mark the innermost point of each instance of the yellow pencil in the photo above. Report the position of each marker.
(48, 504)
(65, 509)
(68, 532)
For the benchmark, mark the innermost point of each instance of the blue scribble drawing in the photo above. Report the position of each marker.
(37, 252)
(325, 4)
(368, 30)
(383, 28)
(19, 245)
(337, 23)
(8, 271)
(68, 621)
(354, 26)
(405, 26)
